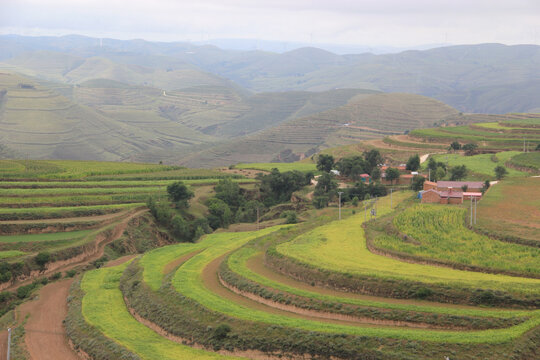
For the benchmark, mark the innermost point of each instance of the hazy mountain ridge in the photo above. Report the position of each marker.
(444, 73)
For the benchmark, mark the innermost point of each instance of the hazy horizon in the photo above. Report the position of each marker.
(384, 26)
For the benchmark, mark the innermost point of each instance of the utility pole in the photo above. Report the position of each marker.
(365, 211)
(340, 192)
(257, 219)
(391, 190)
(475, 203)
(9, 344)
(429, 174)
(471, 211)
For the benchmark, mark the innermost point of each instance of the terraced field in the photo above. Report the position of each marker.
(282, 167)
(509, 133)
(68, 210)
(290, 291)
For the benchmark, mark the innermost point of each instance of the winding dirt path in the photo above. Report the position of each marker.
(45, 335)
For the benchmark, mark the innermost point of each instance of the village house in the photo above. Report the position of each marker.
(451, 192)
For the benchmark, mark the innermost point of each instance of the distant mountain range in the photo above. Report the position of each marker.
(104, 99)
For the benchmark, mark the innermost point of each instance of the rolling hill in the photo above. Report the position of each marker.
(365, 116)
(491, 78)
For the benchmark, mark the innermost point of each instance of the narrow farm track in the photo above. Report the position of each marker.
(45, 336)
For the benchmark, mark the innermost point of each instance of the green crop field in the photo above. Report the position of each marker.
(340, 246)
(439, 232)
(527, 160)
(502, 135)
(60, 212)
(282, 167)
(69, 169)
(110, 184)
(104, 308)
(30, 238)
(482, 166)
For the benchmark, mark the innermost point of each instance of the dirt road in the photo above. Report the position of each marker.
(45, 336)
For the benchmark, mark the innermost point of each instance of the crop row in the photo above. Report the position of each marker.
(108, 183)
(438, 232)
(62, 212)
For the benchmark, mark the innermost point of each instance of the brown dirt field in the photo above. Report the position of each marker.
(257, 265)
(69, 220)
(45, 335)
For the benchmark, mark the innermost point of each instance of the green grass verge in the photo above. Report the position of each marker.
(528, 160)
(103, 307)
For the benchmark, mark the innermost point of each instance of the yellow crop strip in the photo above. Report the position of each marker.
(103, 307)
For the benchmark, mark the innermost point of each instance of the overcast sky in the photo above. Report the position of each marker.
(398, 23)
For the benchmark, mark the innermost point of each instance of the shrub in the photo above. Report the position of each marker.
(221, 331)
(423, 292)
(291, 217)
(70, 273)
(42, 259)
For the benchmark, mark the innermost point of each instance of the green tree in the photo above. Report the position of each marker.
(470, 149)
(220, 213)
(326, 185)
(325, 163)
(458, 172)
(373, 159)
(537, 147)
(180, 228)
(230, 193)
(354, 201)
(42, 259)
(376, 174)
(180, 194)
(500, 172)
(413, 164)
(320, 201)
(440, 173)
(392, 174)
(455, 146)
(418, 183)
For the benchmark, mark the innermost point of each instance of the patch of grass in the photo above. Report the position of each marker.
(11, 254)
(528, 160)
(60, 212)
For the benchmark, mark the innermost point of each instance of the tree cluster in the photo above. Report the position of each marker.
(277, 187)
(437, 169)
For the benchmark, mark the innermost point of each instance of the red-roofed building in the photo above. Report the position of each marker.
(472, 186)
(442, 197)
(365, 178)
(430, 185)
